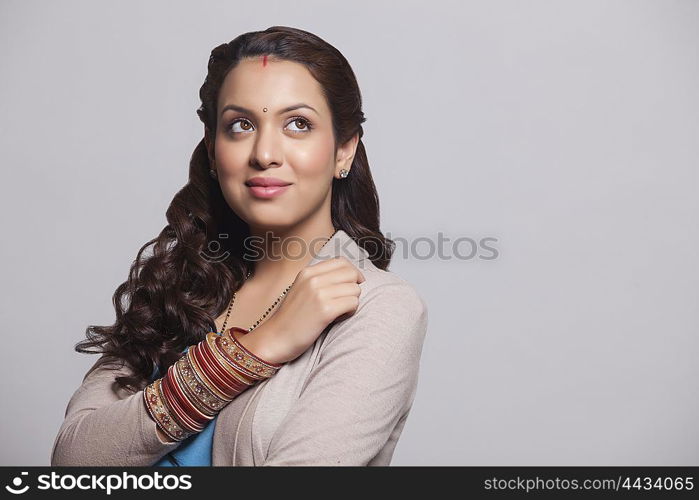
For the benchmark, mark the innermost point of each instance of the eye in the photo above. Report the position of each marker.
(245, 126)
(300, 121)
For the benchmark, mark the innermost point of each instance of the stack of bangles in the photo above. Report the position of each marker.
(202, 382)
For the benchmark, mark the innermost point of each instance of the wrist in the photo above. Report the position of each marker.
(164, 439)
(264, 342)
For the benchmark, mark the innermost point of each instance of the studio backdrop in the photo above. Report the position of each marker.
(536, 164)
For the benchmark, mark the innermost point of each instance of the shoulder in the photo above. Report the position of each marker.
(387, 289)
(391, 311)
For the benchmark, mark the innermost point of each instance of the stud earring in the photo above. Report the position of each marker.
(344, 173)
(213, 174)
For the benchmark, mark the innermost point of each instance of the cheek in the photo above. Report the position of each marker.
(312, 159)
(230, 158)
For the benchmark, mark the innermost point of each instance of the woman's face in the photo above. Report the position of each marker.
(259, 136)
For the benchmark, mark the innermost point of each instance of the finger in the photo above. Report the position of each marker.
(343, 290)
(333, 264)
(345, 305)
(343, 274)
(328, 263)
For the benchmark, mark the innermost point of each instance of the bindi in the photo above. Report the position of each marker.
(264, 63)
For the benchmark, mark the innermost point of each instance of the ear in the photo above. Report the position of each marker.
(345, 154)
(209, 146)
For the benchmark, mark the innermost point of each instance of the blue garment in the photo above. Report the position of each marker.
(195, 450)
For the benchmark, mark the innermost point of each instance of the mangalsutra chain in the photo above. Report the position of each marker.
(270, 308)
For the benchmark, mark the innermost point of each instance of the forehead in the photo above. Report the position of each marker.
(266, 82)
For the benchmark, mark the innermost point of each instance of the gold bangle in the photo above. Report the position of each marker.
(179, 410)
(198, 389)
(228, 352)
(245, 358)
(160, 413)
(225, 362)
(202, 412)
(203, 378)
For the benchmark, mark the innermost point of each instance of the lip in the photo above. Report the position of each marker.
(267, 192)
(266, 182)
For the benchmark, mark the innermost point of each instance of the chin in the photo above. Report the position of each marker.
(269, 221)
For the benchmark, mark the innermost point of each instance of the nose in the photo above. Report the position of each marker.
(267, 151)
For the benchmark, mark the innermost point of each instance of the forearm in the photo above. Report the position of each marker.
(119, 433)
(104, 427)
(202, 382)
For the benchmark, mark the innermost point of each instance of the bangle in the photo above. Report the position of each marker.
(208, 376)
(246, 358)
(253, 356)
(226, 383)
(188, 388)
(160, 414)
(231, 367)
(212, 402)
(204, 376)
(185, 411)
(229, 355)
(177, 411)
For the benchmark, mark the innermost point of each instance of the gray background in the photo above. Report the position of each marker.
(567, 130)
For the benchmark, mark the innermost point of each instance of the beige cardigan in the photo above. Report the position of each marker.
(344, 401)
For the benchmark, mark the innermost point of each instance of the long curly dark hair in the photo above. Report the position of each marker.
(174, 294)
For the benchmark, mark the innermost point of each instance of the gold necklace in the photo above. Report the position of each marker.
(269, 309)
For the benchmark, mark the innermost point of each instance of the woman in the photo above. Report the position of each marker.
(332, 340)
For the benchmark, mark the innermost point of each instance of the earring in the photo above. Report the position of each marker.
(212, 173)
(344, 173)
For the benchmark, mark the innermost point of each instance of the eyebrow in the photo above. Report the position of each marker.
(241, 109)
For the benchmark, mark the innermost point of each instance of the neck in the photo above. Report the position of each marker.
(281, 253)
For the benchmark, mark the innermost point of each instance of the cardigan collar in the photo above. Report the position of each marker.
(341, 244)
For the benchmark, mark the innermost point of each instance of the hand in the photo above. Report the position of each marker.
(320, 294)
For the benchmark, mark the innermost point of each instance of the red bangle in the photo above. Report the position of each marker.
(244, 372)
(180, 416)
(253, 356)
(180, 404)
(214, 375)
(231, 369)
(200, 387)
(160, 413)
(184, 402)
(217, 376)
(241, 356)
(181, 370)
(169, 419)
(205, 376)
